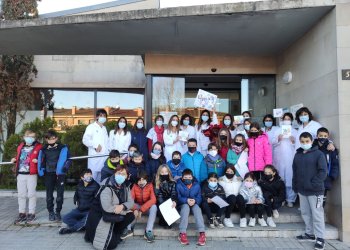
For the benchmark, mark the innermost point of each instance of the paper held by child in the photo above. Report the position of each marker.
(277, 113)
(241, 165)
(286, 131)
(183, 135)
(169, 213)
(238, 119)
(219, 201)
(205, 100)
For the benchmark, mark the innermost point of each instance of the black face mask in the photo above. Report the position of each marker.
(192, 149)
(268, 177)
(322, 140)
(52, 144)
(229, 176)
(254, 134)
(223, 137)
(238, 144)
(164, 178)
(176, 161)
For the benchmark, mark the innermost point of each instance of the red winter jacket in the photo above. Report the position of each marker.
(260, 153)
(144, 197)
(33, 167)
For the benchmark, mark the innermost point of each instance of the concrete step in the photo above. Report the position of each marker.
(284, 230)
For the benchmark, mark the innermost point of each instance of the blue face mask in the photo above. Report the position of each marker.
(119, 179)
(131, 153)
(212, 184)
(205, 118)
(306, 146)
(88, 179)
(29, 140)
(247, 127)
(187, 182)
(156, 151)
(304, 118)
(121, 125)
(227, 122)
(268, 124)
(139, 125)
(159, 123)
(102, 120)
(186, 122)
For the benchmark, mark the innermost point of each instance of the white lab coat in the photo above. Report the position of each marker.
(119, 142)
(95, 135)
(312, 128)
(191, 134)
(202, 140)
(272, 136)
(152, 135)
(169, 138)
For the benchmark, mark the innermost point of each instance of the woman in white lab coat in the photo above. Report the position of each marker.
(270, 129)
(202, 131)
(120, 137)
(96, 139)
(171, 137)
(186, 125)
(284, 154)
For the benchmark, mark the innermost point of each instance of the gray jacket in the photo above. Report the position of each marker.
(250, 193)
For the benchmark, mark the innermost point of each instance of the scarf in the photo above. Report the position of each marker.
(159, 131)
(237, 149)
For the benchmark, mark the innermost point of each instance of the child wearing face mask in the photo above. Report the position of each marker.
(138, 136)
(131, 149)
(145, 203)
(203, 130)
(135, 166)
(274, 193)
(120, 137)
(165, 189)
(260, 153)
(111, 164)
(210, 189)
(238, 149)
(332, 158)
(223, 141)
(284, 154)
(27, 176)
(309, 174)
(253, 198)
(232, 184)
(84, 195)
(214, 162)
(155, 134)
(155, 159)
(171, 137)
(176, 166)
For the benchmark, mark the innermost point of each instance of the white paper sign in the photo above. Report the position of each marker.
(238, 119)
(205, 100)
(241, 165)
(286, 131)
(277, 113)
(169, 213)
(219, 201)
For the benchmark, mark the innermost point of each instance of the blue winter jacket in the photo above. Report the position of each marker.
(62, 159)
(176, 171)
(184, 193)
(139, 138)
(197, 164)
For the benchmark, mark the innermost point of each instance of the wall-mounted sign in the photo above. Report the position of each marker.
(345, 73)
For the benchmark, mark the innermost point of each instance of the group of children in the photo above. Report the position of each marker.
(255, 172)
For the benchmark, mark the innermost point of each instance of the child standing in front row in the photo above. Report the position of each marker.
(253, 198)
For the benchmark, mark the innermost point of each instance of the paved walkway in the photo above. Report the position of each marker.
(47, 237)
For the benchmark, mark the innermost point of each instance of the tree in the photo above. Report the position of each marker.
(19, 9)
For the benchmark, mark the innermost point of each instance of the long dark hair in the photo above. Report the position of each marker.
(134, 128)
(200, 118)
(125, 129)
(231, 127)
(162, 157)
(301, 110)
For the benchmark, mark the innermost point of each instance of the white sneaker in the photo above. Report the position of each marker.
(275, 213)
(228, 222)
(252, 222)
(243, 222)
(290, 204)
(262, 222)
(270, 222)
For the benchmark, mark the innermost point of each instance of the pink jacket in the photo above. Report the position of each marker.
(260, 153)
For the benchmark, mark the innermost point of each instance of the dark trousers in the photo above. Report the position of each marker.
(234, 201)
(76, 219)
(53, 181)
(271, 205)
(258, 174)
(118, 230)
(255, 208)
(210, 208)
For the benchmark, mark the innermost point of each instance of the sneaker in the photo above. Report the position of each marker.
(275, 213)
(306, 237)
(65, 230)
(243, 222)
(22, 217)
(319, 245)
(218, 222)
(52, 216)
(270, 222)
(126, 233)
(262, 222)
(228, 222)
(149, 236)
(252, 222)
(31, 218)
(183, 239)
(290, 204)
(58, 216)
(212, 222)
(201, 239)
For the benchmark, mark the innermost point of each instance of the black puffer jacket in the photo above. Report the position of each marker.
(207, 192)
(274, 189)
(84, 196)
(167, 190)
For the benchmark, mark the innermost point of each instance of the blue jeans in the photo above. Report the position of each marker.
(76, 219)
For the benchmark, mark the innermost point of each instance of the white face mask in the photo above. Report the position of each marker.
(139, 125)
(287, 122)
(174, 123)
(102, 119)
(121, 125)
(213, 153)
